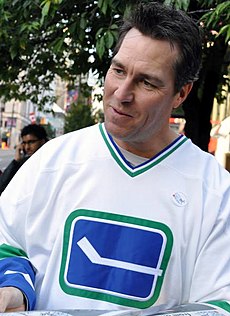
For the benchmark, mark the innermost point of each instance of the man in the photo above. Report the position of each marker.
(125, 214)
(33, 137)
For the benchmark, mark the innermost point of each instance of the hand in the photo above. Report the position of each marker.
(11, 300)
(19, 152)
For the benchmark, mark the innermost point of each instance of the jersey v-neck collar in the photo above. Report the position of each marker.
(136, 170)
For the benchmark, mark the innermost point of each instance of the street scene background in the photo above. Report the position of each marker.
(6, 155)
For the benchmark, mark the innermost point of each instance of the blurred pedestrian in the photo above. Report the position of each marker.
(33, 136)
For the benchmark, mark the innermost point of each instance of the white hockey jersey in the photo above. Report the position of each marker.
(83, 229)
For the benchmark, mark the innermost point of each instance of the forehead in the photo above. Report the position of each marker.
(145, 51)
(29, 136)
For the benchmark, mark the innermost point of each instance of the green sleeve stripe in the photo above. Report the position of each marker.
(9, 251)
(222, 304)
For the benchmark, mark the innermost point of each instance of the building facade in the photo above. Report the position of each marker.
(14, 115)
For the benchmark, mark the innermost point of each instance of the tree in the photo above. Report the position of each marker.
(42, 39)
(214, 73)
(50, 130)
(80, 113)
(79, 116)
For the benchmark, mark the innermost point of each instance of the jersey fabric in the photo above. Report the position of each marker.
(84, 229)
(10, 171)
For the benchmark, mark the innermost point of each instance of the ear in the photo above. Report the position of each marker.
(182, 95)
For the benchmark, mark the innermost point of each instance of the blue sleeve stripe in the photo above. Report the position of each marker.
(9, 251)
(18, 272)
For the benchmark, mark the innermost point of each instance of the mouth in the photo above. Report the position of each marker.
(119, 112)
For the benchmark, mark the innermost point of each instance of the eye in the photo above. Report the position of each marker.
(118, 71)
(148, 84)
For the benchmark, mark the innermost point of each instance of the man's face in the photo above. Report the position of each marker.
(31, 143)
(139, 92)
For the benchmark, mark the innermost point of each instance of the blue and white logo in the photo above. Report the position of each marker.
(114, 260)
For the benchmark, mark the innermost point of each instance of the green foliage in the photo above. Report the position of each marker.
(42, 39)
(106, 39)
(79, 116)
(219, 19)
(179, 4)
(50, 131)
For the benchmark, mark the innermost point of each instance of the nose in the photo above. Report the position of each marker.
(124, 92)
(27, 148)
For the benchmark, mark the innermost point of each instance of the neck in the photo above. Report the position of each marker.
(147, 149)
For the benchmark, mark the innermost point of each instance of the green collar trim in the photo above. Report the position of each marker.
(137, 170)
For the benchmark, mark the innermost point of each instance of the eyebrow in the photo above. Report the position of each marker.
(154, 79)
(115, 62)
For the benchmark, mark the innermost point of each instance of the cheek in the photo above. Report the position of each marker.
(152, 111)
(110, 84)
(146, 106)
(107, 88)
(107, 96)
(35, 148)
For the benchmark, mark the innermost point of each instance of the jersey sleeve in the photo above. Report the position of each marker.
(17, 271)
(16, 268)
(211, 276)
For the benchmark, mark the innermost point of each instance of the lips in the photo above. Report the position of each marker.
(119, 112)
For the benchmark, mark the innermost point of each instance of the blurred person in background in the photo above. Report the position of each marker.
(33, 136)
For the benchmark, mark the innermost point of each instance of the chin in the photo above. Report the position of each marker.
(113, 129)
(117, 133)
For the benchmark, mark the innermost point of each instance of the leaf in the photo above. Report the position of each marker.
(83, 23)
(178, 4)
(35, 25)
(45, 10)
(58, 44)
(109, 39)
(29, 26)
(99, 32)
(72, 28)
(223, 7)
(219, 14)
(13, 52)
(100, 47)
(103, 5)
(185, 4)
(22, 44)
(225, 30)
(115, 35)
(168, 2)
(100, 3)
(81, 34)
(114, 27)
(6, 15)
(23, 27)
